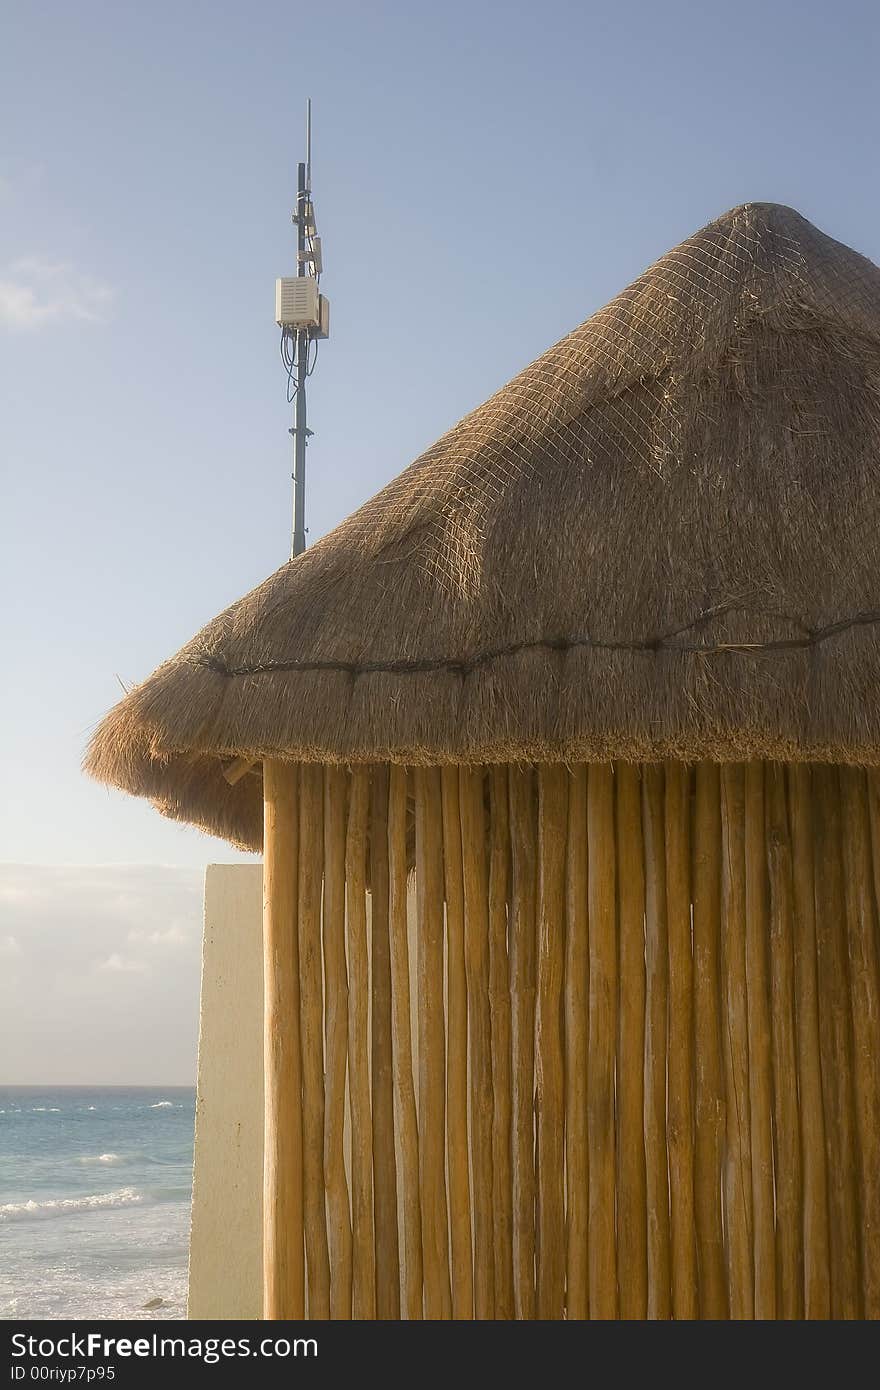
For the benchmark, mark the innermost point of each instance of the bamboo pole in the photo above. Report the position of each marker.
(523, 930)
(834, 1032)
(336, 1041)
(786, 1130)
(864, 977)
(283, 1281)
(499, 1000)
(311, 849)
(238, 768)
(735, 1041)
(457, 1054)
(760, 1055)
(364, 1263)
(632, 1234)
(874, 816)
(382, 1082)
(817, 1273)
(680, 1105)
(404, 1088)
(552, 816)
(476, 909)
(577, 1012)
(873, 794)
(657, 990)
(432, 1044)
(709, 1097)
(601, 872)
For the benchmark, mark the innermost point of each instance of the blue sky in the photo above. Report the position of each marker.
(486, 175)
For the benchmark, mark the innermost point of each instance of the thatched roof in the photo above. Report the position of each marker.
(660, 539)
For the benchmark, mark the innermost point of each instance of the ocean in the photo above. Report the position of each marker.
(95, 1194)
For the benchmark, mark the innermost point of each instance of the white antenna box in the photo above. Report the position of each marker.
(297, 302)
(323, 330)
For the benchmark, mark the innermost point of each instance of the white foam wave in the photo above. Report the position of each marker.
(163, 1105)
(102, 1158)
(67, 1206)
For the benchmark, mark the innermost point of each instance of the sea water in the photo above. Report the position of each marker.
(95, 1195)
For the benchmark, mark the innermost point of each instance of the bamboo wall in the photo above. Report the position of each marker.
(631, 1072)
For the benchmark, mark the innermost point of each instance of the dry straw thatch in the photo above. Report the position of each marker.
(659, 540)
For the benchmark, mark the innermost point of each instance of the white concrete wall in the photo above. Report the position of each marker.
(225, 1266)
(226, 1256)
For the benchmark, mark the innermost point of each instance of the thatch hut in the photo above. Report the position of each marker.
(601, 669)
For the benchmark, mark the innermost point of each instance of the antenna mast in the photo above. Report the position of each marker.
(298, 537)
(303, 315)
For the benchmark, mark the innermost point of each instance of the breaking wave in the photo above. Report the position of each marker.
(67, 1206)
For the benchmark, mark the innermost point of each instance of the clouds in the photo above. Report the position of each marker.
(36, 292)
(100, 973)
(120, 965)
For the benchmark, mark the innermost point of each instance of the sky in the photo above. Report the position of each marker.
(486, 175)
(100, 969)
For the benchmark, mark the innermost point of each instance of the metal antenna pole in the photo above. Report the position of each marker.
(304, 218)
(299, 430)
(309, 144)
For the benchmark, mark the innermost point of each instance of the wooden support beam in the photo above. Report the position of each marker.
(476, 908)
(602, 890)
(835, 1037)
(283, 1278)
(817, 1271)
(432, 1044)
(577, 1016)
(864, 982)
(336, 1041)
(363, 1230)
(760, 1047)
(499, 999)
(404, 1087)
(786, 1128)
(680, 1107)
(735, 1042)
(657, 992)
(237, 769)
(709, 1103)
(523, 906)
(311, 865)
(457, 1053)
(382, 1075)
(632, 1237)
